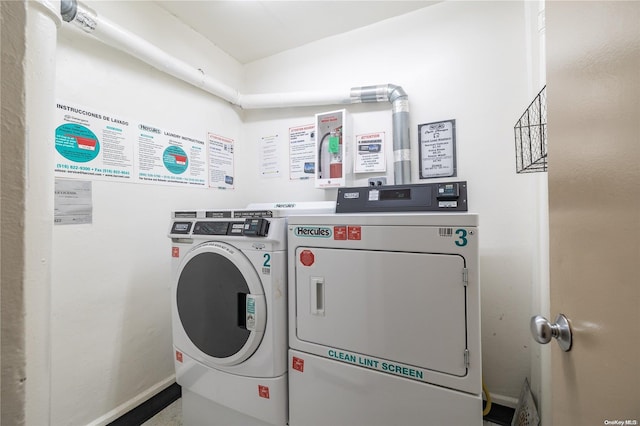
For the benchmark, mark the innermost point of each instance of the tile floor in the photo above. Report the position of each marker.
(172, 416)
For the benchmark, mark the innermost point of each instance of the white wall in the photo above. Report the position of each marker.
(111, 323)
(468, 61)
(13, 159)
(28, 52)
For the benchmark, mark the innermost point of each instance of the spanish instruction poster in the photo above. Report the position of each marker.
(94, 144)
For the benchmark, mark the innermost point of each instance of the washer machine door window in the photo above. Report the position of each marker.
(220, 303)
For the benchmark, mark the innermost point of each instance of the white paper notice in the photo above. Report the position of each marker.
(221, 161)
(269, 156)
(370, 153)
(302, 152)
(73, 204)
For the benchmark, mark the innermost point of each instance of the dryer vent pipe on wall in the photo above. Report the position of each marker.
(111, 34)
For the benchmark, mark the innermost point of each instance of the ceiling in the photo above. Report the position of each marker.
(249, 30)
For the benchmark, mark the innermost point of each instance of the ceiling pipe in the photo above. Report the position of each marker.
(294, 99)
(111, 34)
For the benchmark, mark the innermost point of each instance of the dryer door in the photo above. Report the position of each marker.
(403, 307)
(220, 303)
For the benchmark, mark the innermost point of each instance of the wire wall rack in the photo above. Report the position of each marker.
(531, 136)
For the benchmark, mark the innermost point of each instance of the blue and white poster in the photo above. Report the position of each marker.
(98, 145)
(171, 158)
(92, 144)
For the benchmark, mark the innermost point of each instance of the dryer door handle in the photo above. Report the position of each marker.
(316, 291)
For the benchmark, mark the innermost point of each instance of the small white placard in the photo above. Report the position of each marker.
(370, 153)
(73, 204)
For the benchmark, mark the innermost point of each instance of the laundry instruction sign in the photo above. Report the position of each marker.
(92, 144)
(169, 157)
(99, 145)
(377, 364)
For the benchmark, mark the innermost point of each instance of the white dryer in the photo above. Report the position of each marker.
(229, 314)
(384, 320)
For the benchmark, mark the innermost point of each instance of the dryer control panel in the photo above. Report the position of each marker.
(427, 197)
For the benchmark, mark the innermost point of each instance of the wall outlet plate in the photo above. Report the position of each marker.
(378, 181)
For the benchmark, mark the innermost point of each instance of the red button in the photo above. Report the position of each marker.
(307, 258)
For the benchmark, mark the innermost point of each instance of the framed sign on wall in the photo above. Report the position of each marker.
(437, 143)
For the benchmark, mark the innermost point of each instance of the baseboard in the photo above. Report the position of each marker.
(507, 401)
(130, 405)
(149, 408)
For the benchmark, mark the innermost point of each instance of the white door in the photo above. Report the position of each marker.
(593, 93)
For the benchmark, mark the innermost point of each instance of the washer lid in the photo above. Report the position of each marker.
(220, 303)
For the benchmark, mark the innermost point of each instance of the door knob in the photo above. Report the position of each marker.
(542, 331)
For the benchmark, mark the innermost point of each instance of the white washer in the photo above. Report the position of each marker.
(229, 313)
(384, 320)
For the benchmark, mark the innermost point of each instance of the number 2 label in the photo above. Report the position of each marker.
(267, 260)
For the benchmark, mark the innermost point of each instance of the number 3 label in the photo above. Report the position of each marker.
(462, 237)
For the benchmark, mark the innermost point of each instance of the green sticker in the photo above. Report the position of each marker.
(251, 305)
(334, 144)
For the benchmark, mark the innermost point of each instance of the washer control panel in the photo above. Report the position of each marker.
(256, 227)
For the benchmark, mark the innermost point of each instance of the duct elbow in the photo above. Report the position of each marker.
(379, 93)
(396, 92)
(79, 14)
(68, 10)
